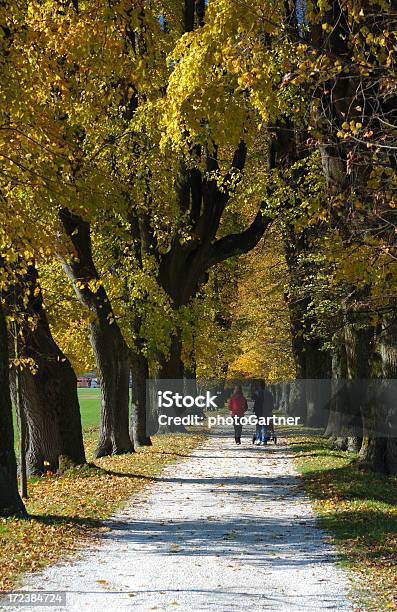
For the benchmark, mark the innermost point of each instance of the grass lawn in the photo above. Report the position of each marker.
(359, 509)
(90, 406)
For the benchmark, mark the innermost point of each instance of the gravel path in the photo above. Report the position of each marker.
(227, 529)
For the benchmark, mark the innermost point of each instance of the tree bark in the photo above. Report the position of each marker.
(293, 245)
(339, 402)
(285, 395)
(10, 501)
(388, 352)
(296, 403)
(110, 350)
(141, 406)
(360, 339)
(190, 388)
(274, 390)
(318, 383)
(112, 359)
(48, 396)
(43, 439)
(171, 366)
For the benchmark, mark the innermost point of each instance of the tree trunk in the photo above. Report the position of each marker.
(171, 367)
(339, 400)
(190, 388)
(43, 439)
(112, 359)
(372, 454)
(388, 351)
(359, 336)
(345, 419)
(296, 404)
(10, 501)
(318, 383)
(311, 390)
(48, 396)
(275, 389)
(110, 350)
(141, 416)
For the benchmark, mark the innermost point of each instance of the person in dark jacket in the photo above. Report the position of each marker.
(263, 407)
(238, 407)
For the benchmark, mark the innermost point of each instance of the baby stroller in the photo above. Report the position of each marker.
(270, 434)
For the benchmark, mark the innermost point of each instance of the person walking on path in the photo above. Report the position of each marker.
(238, 407)
(263, 408)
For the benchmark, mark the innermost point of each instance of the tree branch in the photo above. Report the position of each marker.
(237, 244)
(215, 197)
(240, 156)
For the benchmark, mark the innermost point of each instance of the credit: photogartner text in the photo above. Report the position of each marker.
(218, 420)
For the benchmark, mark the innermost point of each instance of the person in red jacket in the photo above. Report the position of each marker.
(238, 407)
